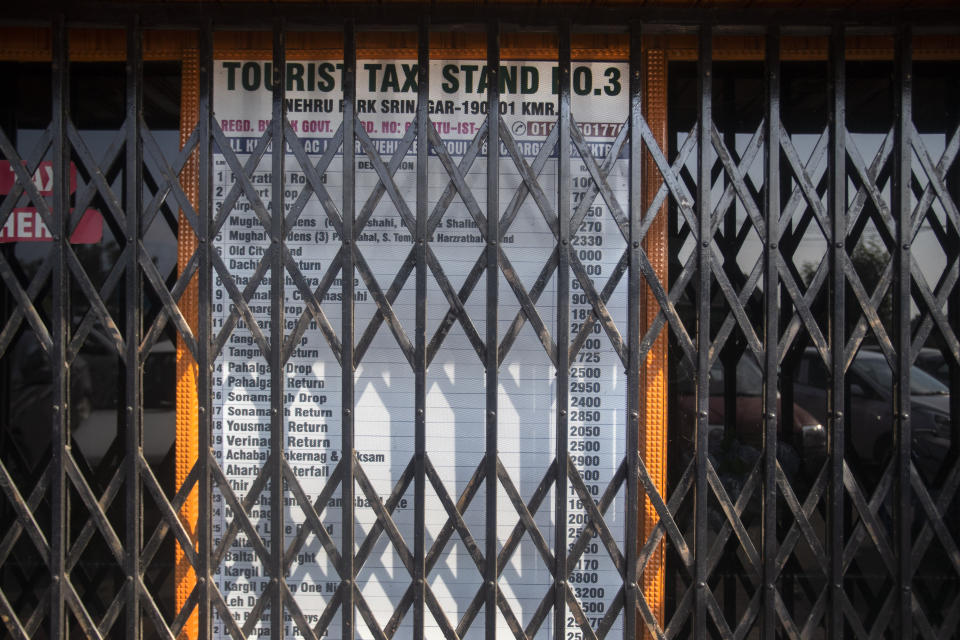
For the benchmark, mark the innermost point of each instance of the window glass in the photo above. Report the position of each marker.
(97, 313)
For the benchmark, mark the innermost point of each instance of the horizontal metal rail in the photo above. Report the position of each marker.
(393, 15)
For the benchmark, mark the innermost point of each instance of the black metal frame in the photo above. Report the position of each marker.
(697, 610)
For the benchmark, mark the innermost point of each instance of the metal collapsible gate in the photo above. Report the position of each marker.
(829, 546)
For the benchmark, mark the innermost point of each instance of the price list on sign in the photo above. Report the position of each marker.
(384, 299)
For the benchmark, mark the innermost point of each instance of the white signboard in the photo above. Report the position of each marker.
(455, 393)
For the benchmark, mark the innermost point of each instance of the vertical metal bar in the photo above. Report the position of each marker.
(349, 212)
(901, 197)
(704, 158)
(133, 179)
(771, 181)
(204, 330)
(952, 247)
(8, 123)
(420, 355)
(278, 235)
(837, 206)
(634, 329)
(59, 517)
(493, 274)
(563, 336)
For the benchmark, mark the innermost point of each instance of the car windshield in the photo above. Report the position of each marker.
(749, 378)
(878, 371)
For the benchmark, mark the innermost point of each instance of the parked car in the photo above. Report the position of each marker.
(735, 448)
(805, 435)
(933, 362)
(870, 409)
